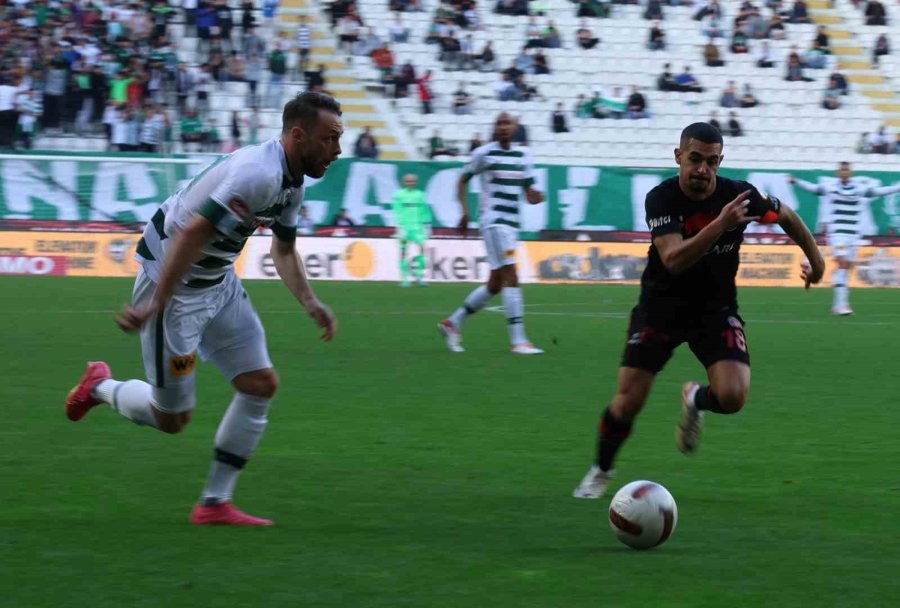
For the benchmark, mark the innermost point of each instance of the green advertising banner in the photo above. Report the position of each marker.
(130, 187)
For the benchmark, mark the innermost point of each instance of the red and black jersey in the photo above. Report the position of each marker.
(708, 284)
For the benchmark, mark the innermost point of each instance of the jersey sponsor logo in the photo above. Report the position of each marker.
(239, 208)
(182, 365)
(723, 248)
(656, 222)
(697, 222)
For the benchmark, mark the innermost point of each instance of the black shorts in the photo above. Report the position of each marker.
(714, 336)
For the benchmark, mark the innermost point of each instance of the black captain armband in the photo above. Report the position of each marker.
(288, 234)
(767, 208)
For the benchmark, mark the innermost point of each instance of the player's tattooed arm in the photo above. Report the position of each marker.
(185, 251)
(678, 253)
(534, 196)
(462, 195)
(794, 227)
(290, 268)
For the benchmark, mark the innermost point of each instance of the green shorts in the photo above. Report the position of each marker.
(412, 235)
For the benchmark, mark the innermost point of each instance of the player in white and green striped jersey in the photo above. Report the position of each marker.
(505, 172)
(187, 299)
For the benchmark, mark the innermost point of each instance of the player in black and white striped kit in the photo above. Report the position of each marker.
(845, 225)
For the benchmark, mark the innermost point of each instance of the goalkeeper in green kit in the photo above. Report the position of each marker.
(413, 217)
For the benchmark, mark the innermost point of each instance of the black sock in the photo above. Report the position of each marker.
(610, 437)
(707, 400)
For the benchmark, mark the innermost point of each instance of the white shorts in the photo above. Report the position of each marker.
(500, 242)
(844, 246)
(219, 323)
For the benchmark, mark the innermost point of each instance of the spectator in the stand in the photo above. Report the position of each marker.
(348, 33)
(748, 99)
(653, 11)
(304, 41)
(254, 124)
(524, 61)
(305, 224)
(541, 65)
(451, 52)
(342, 220)
(383, 59)
(875, 13)
(367, 43)
(224, 21)
(821, 41)
(29, 107)
(582, 109)
(487, 60)
(795, 69)
(398, 30)
(841, 82)
(533, 37)
(404, 79)
(191, 128)
(897, 145)
(657, 37)
(585, 36)
(462, 101)
(862, 146)
(714, 120)
(707, 9)
(236, 68)
(592, 8)
(729, 99)
(315, 79)
(765, 59)
(814, 58)
(882, 47)
(253, 44)
(437, 146)
(366, 146)
(832, 98)
(734, 126)
(558, 120)
(800, 12)
(666, 80)
(467, 54)
(550, 36)
(637, 104)
(212, 140)
(9, 115)
(425, 94)
(277, 71)
(739, 42)
(880, 142)
(687, 82)
(153, 129)
(776, 29)
(711, 54)
(235, 131)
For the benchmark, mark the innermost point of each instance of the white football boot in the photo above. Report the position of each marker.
(594, 483)
(687, 435)
(525, 348)
(452, 336)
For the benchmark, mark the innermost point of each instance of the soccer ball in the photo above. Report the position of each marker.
(643, 514)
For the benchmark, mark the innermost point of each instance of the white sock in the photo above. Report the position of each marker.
(239, 432)
(515, 314)
(840, 288)
(130, 398)
(474, 302)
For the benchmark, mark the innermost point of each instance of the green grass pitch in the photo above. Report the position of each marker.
(402, 475)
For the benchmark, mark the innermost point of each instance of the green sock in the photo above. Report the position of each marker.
(420, 266)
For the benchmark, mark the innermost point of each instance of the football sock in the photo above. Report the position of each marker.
(474, 302)
(419, 266)
(514, 305)
(610, 437)
(239, 432)
(841, 291)
(404, 264)
(130, 398)
(705, 399)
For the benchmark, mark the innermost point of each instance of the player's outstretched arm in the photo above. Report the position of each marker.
(882, 191)
(290, 268)
(794, 227)
(805, 185)
(185, 251)
(678, 254)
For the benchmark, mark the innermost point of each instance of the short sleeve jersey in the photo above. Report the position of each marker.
(239, 192)
(504, 174)
(710, 283)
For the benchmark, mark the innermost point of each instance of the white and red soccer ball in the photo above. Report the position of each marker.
(643, 514)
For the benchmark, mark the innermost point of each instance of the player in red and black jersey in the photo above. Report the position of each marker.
(688, 294)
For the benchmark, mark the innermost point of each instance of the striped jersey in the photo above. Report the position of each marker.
(304, 37)
(848, 213)
(504, 176)
(239, 192)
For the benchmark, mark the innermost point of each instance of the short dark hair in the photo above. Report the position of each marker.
(701, 131)
(304, 109)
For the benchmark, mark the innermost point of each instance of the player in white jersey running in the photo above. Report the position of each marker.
(505, 172)
(844, 225)
(187, 298)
